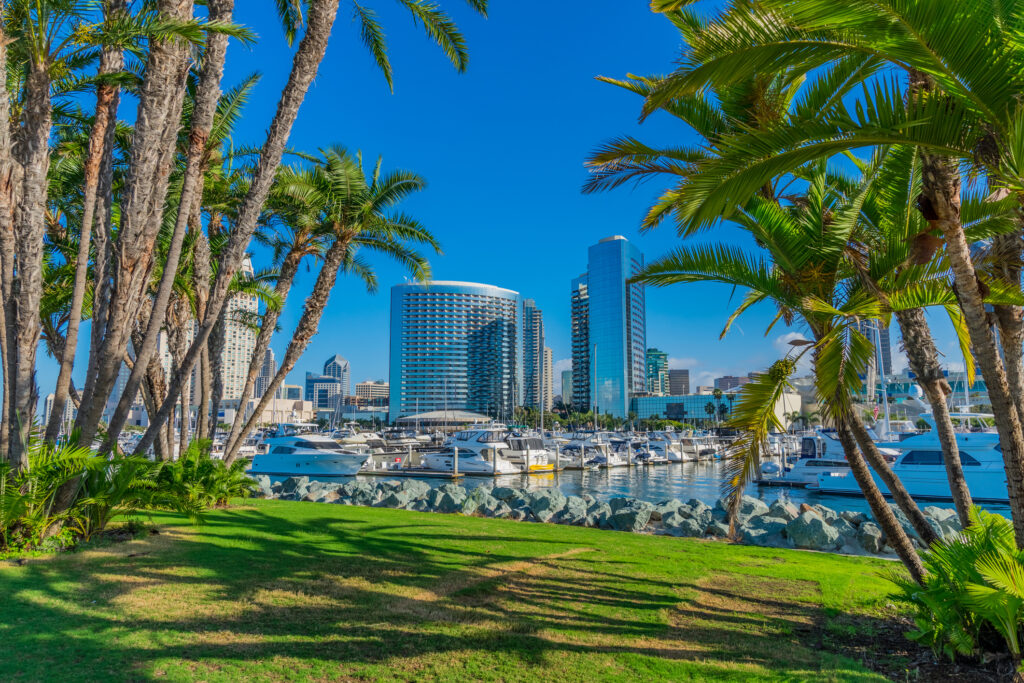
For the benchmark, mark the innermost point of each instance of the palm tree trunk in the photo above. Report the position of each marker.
(111, 61)
(289, 267)
(216, 347)
(207, 96)
(895, 536)
(152, 157)
(939, 203)
(312, 311)
(33, 150)
(1007, 249)
(924, 362)
(304, 67)
(8, 175)
(892, 482)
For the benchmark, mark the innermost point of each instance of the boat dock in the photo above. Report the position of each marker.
(784, 483)
(414, 472)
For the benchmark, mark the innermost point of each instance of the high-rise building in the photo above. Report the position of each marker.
(580, 314)
(321, 389)
(291, 392)
(567, 387)
(657, 372)
(267, 371)
(239, 339)
(730, 382)
(69, 411)
(549, 394)
(453, 346)
(609, 328)
(678, 382)
(867, 328)
(533, 354)
(372, 390)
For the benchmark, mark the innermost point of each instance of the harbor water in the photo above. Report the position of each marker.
(701, 480)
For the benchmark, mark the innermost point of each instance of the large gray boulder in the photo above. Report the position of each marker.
(844, 527)
(631, 517)
(262, 482)
(869, 536)
(763, 537)
(396, 499)
(598, 515)
(492, 507)
(810, 531)
(665, 507)
(717, 529)
(545, 503)
(781, 509)
(749, 507)
(291, 484)
(826, 513)
(854, 518)
(504, 492)
(698, 511)
(678, 525)
(364, 493)
(415, 488)
(767, 524)
(573, 512)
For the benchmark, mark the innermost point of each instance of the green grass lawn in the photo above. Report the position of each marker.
(279, 591)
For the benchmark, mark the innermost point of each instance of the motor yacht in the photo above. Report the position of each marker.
(923, 474)
(311, 455)
(481, 450)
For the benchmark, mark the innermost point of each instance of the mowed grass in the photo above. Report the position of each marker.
(272, 590)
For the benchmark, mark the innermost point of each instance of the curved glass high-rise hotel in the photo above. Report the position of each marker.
(453, 346)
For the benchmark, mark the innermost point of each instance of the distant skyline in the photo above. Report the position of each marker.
(502, 148)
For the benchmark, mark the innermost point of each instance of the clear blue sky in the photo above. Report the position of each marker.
(502, 147)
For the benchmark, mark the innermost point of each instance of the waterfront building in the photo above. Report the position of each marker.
(678, 382)
(267, 371)
(533, 354)
(292, 392)
(372, 391)
(701, 409)
(549, 400)
(453, 347)
(609, 328)
(239, 339)
(657, 372)
(567, 387)
(320, 389)
(730, 382)
(704, 390)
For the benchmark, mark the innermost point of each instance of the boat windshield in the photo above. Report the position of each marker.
(935, 458)
(528, 443)
(317, 445)
(491, 437)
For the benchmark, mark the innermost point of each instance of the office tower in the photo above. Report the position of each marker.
(678, 382)
(267, 371)
(453, 347)
(867, 328)
(609, 328)
(291, 392)
(239, 339)
(580, 314)
(730, 382)
(567, 387)
(372, 390)
(549, 394)
(657, 372)
(533, 354)
(334, 381)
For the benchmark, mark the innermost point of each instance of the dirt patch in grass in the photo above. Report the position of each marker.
(881, 645)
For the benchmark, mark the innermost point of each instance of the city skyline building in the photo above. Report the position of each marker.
(239, 339)
(727, 382)
(533, 354)
(657, 372)
(373, 390)
(609, 328)
(867, 328)
(267, 371)
(333, 381)
(567, 387)
(678, 382)
(454, 346)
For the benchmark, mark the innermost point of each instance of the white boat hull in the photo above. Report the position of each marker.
(322, 464)
(985, 484)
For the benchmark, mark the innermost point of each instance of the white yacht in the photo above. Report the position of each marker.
(481, 450)
(923, 474)
(311, 455)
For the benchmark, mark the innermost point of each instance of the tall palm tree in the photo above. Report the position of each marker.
(354, 210)
(802, 259)
(959, 62)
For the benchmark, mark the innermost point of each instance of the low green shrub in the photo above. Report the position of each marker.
(201, 480)
(972, 600)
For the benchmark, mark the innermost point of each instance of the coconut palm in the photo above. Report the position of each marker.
(959, 62)
(354, 211)
(802, 258)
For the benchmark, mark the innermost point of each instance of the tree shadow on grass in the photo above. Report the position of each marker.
(334, 588)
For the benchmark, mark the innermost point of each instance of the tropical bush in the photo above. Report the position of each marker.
(199, 480)
(971, 600)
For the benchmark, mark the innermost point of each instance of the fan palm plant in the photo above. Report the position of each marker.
(354, 210)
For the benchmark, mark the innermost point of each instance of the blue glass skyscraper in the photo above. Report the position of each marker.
(453, 346)
(609, 329)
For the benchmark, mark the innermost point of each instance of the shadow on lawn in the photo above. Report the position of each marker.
(345, 590)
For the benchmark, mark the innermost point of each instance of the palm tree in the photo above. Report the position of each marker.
(353, 209)
(709, 408)
(959, 61)
(802, 256)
